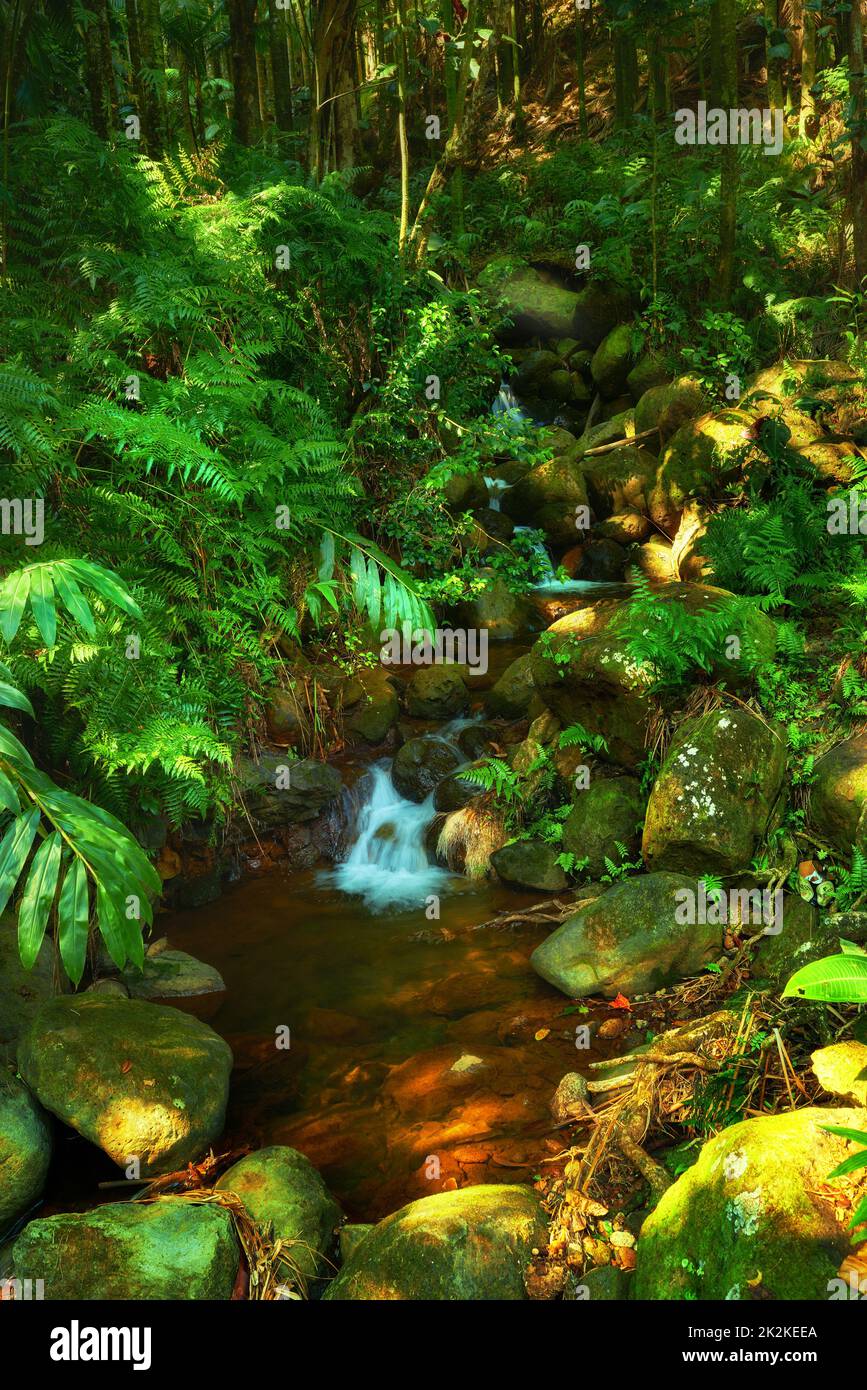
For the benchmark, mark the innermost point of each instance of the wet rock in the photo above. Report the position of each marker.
(503, 614)
(571, 1098)
(651, 370)
(376, 712)
(534, 371)
(475, 740)
(491, 528)
(755, 1216)
(530, 864)
(609, 812)
(474, 1243)
(172, 975)
(283, 791)
(25, 1148)
(132, 1250)
(667, 408)
(534, 300)
(807, 935)
(420, 764)
(712, 801)
(620, 481)
(702, 455)
(437, 692)
(842, 1070)
(838, 796)
(511, 694)
(139, 1080)
(627, 941)
(547, 498)
(285, 717)
(454, 792)
(465, 492)
(612, 362)
(603, 562)
(280, 1188)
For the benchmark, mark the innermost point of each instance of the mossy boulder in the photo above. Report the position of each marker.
(547, 497)
(437, 692)
(502, 613)
(609, 811)
(656, 560)
(170, 1249)
(838, 796)
(282, 1190)
(172, 974)
(666, 408)
(702, 456)
(25, 1148)
(612, 361)
(808, 934)
(286, 716)
(464, 492)
(472, 1244)
(617, 427)
(755, 1216)
(599, 308)
(603, 561)
(285, 791)
(627, 528)
(621, 480)
(454, 792)
(534, 300)
(141, 1081)
(627, 941)
(511, 694)
(650, 371)
(376, 710)
(530, 864)
(841, 1070)
(22, 991)
(420, 764)
(712, 801)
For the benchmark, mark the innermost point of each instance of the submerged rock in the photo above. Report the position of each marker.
(168, 1249)
(712, 801)
(627, 941)
(280, 1188)
(755, 1217)
(139, 1080)
(474, 1243)
(25, 1148)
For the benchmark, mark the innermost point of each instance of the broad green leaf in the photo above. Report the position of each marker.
(42, 603)
(111, 927)
(835, 980)
(8, 795)
(13, 749)
(859, 1136)
(73, 600)
(13, 597)
(851, 948)
(73, 920)
(14, 850)
(106, 583)
(37, 898)
(13, 698)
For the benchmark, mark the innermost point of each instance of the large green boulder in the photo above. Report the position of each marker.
(471, 1244)
(530, 864)
(536, 301)
(712, 800)
(280, 790)
(838, 795)
(666, 408)
(511, 694)
(607, 813)
(22, 991)
(547, 498)
(621, 480)
(612, 361)
(755, 1217)
(168, 1249)
(437, 692)
(841, 1070)
(282, 1190)
(808, 934)
(25, 1148)
(142, 1081)
(503, 614)
(650, 371)
(599, 308)
(169, 975)
(698, 460)
(630, 941)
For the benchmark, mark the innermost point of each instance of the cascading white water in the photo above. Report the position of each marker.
(507, 403)
(495, 487)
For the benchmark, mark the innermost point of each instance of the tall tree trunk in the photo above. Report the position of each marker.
(858, 172)
(727, 98)
(403, 140)
(807, 112)
(516, 69)
(278, 40)
(582, 79)
(134, 45)
(93, 73)
(153, 86)
(333, 84)
(774, 66)
(242, 47)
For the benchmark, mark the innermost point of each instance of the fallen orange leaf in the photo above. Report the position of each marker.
(542, 1033)
(621, 1002)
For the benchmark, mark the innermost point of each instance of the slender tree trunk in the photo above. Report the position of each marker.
(134, 44)
(516, 70)
(859, 136)
(403, 140)
(278, 39)
(727, 98)
(152, 85)
(242, 47)
(93, 73)
(776, 97)
(807, 112)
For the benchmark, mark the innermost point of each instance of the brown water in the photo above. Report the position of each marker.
(413, 1062)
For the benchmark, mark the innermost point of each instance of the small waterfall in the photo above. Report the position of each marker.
(506, 404)
(388, 864)
(495, 486)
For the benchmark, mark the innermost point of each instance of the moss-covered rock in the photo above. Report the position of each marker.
(25, 1148)
(420, 764)
(808, 934)
(608, 812)
(172, 975)
(286, 791)
(612, 361)
(627, 941)
(282, 1190)
(702, 455)
(503, 614)
(534, 300)
(841, 1070)
(755, 1216)
(437, 692)
(170, 1249)
(376, 710)
(620, 481)
(22, 991)
(713, 798)
(530, 864)
(599, 308)
(650, 371)
(666, 408)
(547, 497)
(471, 1244)
(140, 1080)
(511, 694)
(627, 528)
(838, 796)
